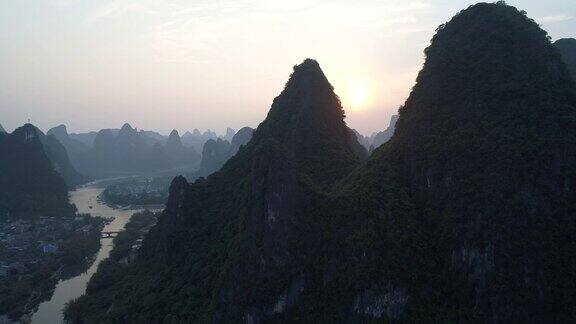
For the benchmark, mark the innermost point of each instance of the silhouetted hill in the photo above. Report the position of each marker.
(74, 147)
(58, 156)
(216, 152)
(242, 226)
(29, 184)
(180, 154)
(466, 215)
(243, 136)
(128, 152)
(567, 47)
(214, 155)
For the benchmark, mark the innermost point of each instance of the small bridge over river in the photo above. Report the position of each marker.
(110, 234)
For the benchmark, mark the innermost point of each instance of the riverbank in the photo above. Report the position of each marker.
(36, 253)
(86, 200)
(125, 251)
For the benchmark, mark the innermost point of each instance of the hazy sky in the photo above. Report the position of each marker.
(168, 64)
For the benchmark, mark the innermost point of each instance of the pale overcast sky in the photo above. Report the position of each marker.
(215, 63)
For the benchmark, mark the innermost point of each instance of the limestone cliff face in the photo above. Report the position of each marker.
(158, 248)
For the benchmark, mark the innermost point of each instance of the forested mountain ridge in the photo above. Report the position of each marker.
(473, 197)
(465, 215)
(61, 162)
(29, 184)
(74, 147)
(224, 243)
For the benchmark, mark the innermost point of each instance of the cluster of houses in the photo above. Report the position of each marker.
(25, 242)
(138, 191)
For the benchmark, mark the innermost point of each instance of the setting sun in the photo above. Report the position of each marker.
(356, 95)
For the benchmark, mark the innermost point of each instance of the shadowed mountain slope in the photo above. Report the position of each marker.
(473, 197)
(465, 215)
(228, 240)
(29, 184)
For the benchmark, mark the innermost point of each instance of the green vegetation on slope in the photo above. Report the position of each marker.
(484, 149)
(225, 242)
(29, 186)
(465, 215)
(112, 270)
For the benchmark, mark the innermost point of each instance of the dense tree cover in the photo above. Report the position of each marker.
(23, 289)
(111, 270)
(465, 215)
(29, 185)
(473, 197)
(245, 218)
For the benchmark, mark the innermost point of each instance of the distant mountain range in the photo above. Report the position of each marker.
(128, 151)
(216, 152)
(124, 152)
(197, 139)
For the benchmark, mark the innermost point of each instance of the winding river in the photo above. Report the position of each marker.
(86, 200)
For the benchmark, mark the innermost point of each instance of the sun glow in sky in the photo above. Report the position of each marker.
(357, 96)
(183, 64)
